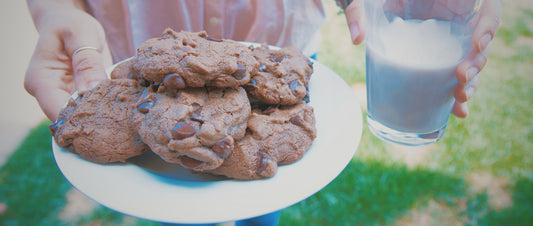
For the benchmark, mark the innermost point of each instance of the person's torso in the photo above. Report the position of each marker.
(128, 23)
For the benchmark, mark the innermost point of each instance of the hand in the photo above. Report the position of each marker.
(54, 72)
(468, 71)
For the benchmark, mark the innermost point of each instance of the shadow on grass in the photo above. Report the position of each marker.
(370, 193)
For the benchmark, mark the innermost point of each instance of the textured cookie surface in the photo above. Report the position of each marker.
(197, 128)
(96, 125)
(197, 59)
(283, 76)
(275, 136)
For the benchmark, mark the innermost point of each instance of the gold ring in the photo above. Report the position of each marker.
(84, 48)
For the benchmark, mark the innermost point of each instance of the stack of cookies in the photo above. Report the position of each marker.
(209, 105)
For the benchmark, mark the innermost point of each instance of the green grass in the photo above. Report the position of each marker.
(373, 193)
(375, 188)
(31, 184)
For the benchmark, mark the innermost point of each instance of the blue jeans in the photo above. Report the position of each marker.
(270, 219)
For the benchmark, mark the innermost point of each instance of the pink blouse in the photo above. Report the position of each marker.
(128, 23)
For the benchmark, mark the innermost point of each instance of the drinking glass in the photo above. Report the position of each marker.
(413, 48)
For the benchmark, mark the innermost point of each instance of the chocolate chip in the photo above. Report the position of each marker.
(293, 86)
(252, 82)
(187, 43)
(143, 82)
(262, 67)
(271, 109)
(121, 98)
(54, 126)
(182, 130)
(189, 162)
(221, 148)
(144, 105)
(163, 89)
(279, 58)
(263, 162)
(296, 120)
(196, 114)
(174, 81)
(214, 39)
(276, 59)
(153, 88)
(240, 73)
(307, 98)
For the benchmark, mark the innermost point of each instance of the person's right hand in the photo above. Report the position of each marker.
(55, 72)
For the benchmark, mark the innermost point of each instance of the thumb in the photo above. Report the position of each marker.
(355, 18)
(88, 67)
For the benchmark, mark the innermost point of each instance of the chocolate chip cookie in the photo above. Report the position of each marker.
(283, 76)
(275, 136)
(190, 59)
(96, 125)
(197, 128)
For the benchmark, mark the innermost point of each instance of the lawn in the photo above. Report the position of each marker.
(480, 173)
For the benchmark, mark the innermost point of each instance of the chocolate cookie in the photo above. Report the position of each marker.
(275, 136)
(193, 60)
(96, 125)
(282, 77)
(197, 128)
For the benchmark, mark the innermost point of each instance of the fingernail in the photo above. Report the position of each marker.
(354, 31)
(484, 42)
(469, 92)
(471, 73)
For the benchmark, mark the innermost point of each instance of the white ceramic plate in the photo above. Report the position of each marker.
(147, 187)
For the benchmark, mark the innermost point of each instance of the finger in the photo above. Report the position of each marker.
(488, 24)
(52, 102)
(88, 68)
(355, 19)
(459, 7)
(463, 92)
(471, 66)
(89, 54)
(460, 110)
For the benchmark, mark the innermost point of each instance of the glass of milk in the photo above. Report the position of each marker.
(413, 48)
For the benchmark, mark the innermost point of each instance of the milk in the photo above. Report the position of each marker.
(411, 68)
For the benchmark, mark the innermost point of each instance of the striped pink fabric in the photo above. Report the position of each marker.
(277, 22)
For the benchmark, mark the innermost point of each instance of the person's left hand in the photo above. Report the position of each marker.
(468, 71)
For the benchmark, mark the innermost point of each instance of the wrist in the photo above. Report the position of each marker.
(38, 8)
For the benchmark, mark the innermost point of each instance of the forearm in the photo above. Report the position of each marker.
(38, 8)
